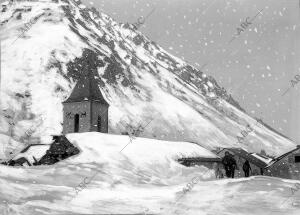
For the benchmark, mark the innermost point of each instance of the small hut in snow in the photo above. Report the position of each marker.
(286, 165)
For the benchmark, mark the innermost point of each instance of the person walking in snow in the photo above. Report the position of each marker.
(246, 168)
(232, 165)
(229, 164)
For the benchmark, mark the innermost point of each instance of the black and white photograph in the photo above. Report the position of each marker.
(149, 107)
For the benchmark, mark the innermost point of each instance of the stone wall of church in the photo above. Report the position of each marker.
(99, 110)
(69, 111)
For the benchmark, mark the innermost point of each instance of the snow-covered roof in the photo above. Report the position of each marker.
(37, 151)
(94, 146)
(265, 159)
(284, 155)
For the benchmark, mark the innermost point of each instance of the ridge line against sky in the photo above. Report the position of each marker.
(272, 62)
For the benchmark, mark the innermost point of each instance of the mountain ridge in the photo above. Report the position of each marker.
(136, 75)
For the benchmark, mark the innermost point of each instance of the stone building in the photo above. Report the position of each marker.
(286, 165)
(85, 110)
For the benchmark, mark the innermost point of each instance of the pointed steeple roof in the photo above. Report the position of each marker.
(86, 89)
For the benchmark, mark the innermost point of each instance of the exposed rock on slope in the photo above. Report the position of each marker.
(139, 79)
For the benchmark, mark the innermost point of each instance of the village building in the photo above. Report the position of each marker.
(286, 165)
(257, 162)
(86, 109)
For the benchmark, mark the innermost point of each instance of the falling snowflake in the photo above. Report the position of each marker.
(294, 27)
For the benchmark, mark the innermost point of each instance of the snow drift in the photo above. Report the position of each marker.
(144, 167)
(142, 179)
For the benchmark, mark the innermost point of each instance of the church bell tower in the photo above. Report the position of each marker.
(86, 109)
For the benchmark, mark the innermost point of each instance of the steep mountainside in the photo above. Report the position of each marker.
(62, 40)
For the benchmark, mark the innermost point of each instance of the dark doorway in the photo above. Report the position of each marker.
(99, 124)
(76, 123)
(297, 159)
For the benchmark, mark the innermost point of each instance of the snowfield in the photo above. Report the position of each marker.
(140, 81)
(142, 179)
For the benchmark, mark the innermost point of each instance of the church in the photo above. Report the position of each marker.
(86, 109)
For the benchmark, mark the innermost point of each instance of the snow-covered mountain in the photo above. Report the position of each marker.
(139, 79)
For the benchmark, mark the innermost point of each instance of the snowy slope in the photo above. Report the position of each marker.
(139, 79)
(142, 179)
(144, 167)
